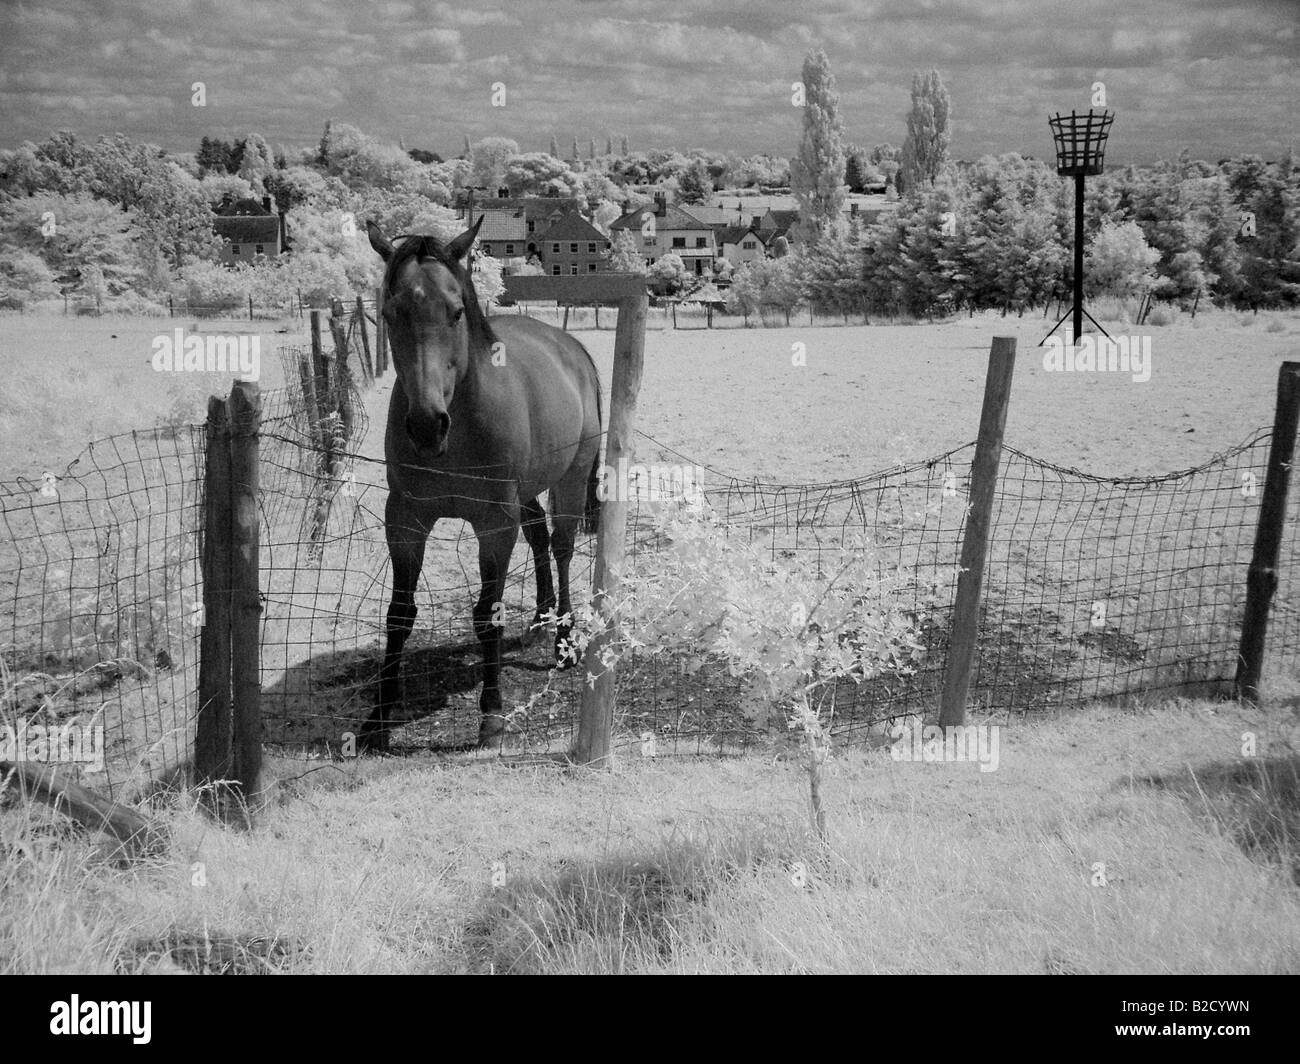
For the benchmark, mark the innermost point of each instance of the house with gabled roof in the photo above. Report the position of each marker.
(724, 217)
(663, 228)
(539, 212)
(779, 220)
(249, 230)
(573, 246)
(503, 234)
(738, 245)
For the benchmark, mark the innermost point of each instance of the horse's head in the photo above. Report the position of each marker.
(433, 316)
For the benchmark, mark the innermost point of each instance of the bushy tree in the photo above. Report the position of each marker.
(88, 232)
(1120, 262)
(669, 274)
(539, 174)
(625, 256)
(491, 158)
(695, 185)
(25, 278)
(255, 161)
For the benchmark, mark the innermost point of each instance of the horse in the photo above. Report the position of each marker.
(483, 418)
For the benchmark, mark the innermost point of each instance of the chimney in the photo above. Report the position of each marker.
(266, 204)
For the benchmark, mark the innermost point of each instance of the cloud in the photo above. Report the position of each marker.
(1222, 73)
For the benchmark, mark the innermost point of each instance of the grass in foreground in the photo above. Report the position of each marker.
(466, 865)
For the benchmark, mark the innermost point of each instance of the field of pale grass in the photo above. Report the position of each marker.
(1105, 842)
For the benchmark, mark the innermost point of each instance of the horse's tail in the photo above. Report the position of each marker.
(591, 516)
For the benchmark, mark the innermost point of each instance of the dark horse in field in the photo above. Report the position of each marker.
(483, 419)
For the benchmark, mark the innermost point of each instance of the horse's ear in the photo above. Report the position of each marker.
(382, 245)
(459, 247)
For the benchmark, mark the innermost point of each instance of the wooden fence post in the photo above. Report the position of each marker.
(213, 759)
(596, 723)
(340, 383)
(970, 582)
(367, 367)
(245, 411)
(1261, 578)
(381, 334)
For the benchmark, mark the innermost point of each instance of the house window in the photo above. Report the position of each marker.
(701, 241)
(555, 249)
(591, 267)
(749, 245)
(573, 270)
(591, 248)
(531, 225)
(679, 241)
(648, 241)
(555, 270)
(573, 249)
(234, 249)
(510, 249)
(259, 249)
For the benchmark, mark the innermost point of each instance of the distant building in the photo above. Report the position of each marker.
(573, 246)
(738, 245)
(249, 230)
(723, 217)
(539, 212)
(778, 221)
(503, 234)
(674, 230)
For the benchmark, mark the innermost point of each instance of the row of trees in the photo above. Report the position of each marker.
(997, 235)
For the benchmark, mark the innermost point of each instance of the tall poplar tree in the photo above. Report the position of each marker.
(925, 151)
(817, 173)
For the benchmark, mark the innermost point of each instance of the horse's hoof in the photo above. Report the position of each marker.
(491, 729)
(372, 741)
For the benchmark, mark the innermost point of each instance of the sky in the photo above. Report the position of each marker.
(1219, 77)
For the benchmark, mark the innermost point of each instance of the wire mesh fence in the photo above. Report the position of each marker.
(1096, 589)
(101, 604)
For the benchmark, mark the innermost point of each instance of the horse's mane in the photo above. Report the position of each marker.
(419, 246)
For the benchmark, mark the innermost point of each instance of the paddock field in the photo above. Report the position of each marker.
(686, 865)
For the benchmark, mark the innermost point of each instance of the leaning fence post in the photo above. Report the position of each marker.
(381, 334)
(596, 723)
(367, 367)
(212, 750)
(1261, 578)
(245, 409)
(974, 547)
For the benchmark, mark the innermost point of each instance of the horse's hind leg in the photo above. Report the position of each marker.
(406, 541)
(568, 501)
(497, 534)
(539, 540)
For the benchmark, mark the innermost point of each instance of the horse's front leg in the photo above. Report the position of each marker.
(496, 540)
(406, 541)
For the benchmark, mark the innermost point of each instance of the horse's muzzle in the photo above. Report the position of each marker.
(428, 432)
